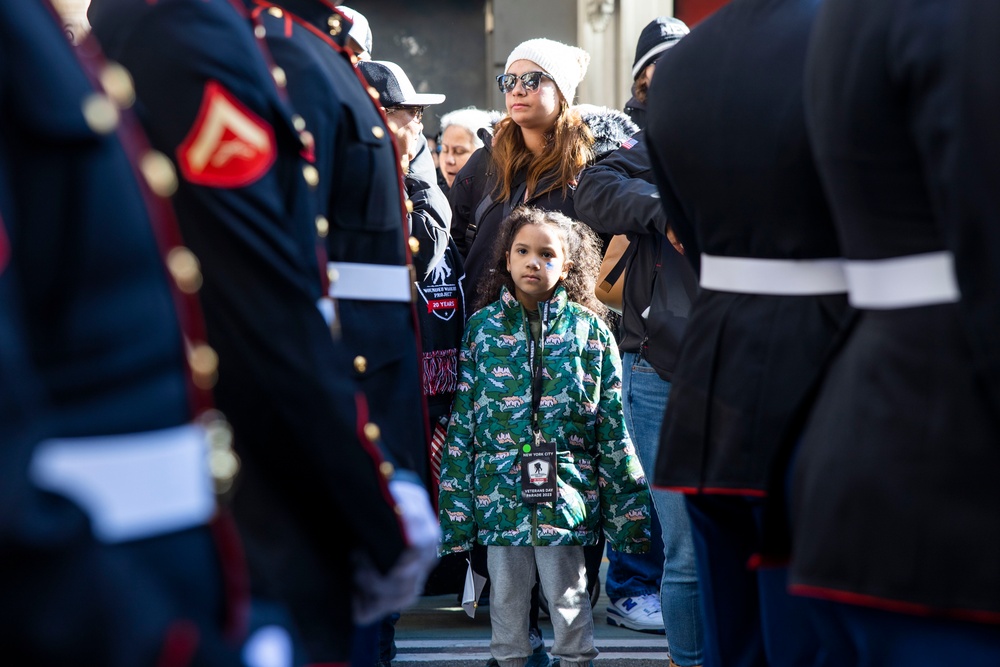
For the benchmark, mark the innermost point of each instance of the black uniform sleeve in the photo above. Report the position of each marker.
(617, 195)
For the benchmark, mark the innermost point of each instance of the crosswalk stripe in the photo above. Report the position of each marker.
(483, 656)
(430, 651)
(653, 643)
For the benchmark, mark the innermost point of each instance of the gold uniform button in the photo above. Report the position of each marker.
(332, 275)
(204, 364)
(322, 226)
(378, 132)
(298, 122)
(374, 93)
(414, 245)
(117, 83)
(355, 60)
(279, 77)
(100, 113)
(387, 469)
(360, 364)
(185, 269)
(308, 141)
(260, 32)
(373, 432)
(159, 173)
(409, 206)
(311, 174)
(336, 24)
(275, 12)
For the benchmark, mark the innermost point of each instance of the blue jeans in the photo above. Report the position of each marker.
(644, 395)
(633, 575)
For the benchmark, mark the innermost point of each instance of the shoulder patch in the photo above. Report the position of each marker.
(629, 143)
(229, 146)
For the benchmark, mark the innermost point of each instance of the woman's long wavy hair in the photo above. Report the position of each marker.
(581, 245)
(567, 151)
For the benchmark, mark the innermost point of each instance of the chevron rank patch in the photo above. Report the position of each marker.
(229, 146)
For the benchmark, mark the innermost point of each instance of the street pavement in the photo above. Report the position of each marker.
(437, 631)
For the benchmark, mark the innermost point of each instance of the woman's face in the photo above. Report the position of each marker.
(534, 109)
(456, 146)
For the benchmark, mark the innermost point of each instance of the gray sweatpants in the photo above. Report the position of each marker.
(563, 575)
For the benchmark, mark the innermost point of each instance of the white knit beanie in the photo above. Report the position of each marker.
(564, 63)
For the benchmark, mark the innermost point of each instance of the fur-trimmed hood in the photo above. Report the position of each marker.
(610, 127)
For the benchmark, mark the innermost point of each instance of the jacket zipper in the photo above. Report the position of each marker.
(540, 349)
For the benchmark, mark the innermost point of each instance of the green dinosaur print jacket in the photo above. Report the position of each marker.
(601, 485)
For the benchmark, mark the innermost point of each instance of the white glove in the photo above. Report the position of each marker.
(377, 595)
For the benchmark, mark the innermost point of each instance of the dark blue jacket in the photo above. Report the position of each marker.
(360, 194)
(212, 99)
(90, 345)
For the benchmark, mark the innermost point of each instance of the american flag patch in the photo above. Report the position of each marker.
(629, 143)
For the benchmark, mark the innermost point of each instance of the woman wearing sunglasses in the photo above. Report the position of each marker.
(533, 158)
(536, 152)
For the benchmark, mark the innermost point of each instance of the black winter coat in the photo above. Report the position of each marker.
(617, 196)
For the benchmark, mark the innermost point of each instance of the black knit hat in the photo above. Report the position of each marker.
(661, 33)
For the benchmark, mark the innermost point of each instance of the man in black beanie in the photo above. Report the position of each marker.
(655, 591)
(659, 35)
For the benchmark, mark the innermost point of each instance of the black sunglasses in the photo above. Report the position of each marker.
(530, 81)
(418, 112)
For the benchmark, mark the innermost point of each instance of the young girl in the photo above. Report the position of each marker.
(537, 454)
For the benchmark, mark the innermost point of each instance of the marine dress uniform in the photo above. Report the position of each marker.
(114, 551)
(363, 223)
(731, 158)
(896, 519)
(315, 495)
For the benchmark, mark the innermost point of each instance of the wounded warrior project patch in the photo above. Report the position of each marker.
(441, 291)
(228, 146)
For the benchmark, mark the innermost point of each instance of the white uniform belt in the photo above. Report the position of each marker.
(903, 282)
(132, 486)
(780, 277)
(370, 282)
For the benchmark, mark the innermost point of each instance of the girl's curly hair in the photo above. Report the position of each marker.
(582, 247)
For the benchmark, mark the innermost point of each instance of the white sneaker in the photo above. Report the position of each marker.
(641, 613)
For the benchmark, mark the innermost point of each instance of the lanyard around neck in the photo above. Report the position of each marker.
(535, 362)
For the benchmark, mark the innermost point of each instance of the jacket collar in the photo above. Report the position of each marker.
(548, 308)
(322, 15)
